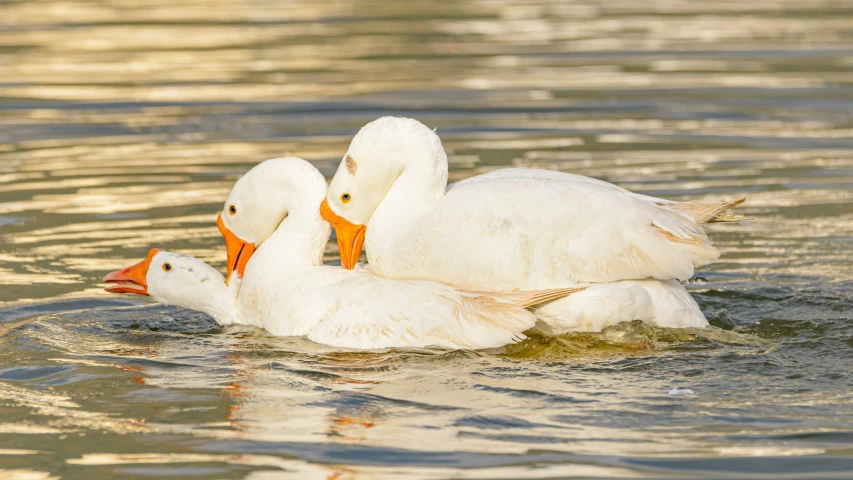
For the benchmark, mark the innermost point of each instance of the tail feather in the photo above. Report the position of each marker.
(711, 212)
(529, 298)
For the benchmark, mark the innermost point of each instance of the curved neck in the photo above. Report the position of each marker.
(222, 306)
(412, 195)
(299, 240)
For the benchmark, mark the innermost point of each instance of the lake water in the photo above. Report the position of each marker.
(124, 123)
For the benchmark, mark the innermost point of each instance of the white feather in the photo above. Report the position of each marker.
(664, 303)
(509, 229)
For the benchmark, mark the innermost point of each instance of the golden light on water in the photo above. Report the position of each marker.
(123, 125)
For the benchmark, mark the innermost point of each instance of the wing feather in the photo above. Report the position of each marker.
(387, 313)
(520, 229)
(529, 298)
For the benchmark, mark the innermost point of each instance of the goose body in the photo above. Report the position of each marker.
(508, 229)
(518, 229)
(662, 303)
(351, 309)
(530, 229)
(332, 306)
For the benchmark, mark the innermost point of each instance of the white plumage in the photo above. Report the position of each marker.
(336, 307)
(664, 303)
(357, 310)
(518, 229)
(287, 290)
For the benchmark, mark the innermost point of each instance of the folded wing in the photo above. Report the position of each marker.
(380, 313)
(534, 229)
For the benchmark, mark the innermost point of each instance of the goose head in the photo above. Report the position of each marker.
(378, 155)
(273, 194)
(175, 279)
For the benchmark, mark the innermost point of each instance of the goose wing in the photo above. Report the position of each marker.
(534, 229)
(379, 313)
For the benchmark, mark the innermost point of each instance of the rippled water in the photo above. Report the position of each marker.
(123, 124)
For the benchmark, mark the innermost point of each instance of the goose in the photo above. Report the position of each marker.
(287, 290)
(270, 229)
(508, 229)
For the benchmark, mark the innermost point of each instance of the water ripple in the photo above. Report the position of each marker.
(123, 125)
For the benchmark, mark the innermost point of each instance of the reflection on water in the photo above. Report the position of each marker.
(124, 124)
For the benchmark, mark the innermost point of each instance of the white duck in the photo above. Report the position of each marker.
(286, 289)
(268, 209)
(508, 229)
(516, 229)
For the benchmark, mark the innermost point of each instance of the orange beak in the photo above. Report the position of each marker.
(350, 236)
(131, 279)
(238, 251)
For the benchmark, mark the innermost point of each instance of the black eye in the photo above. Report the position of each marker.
(232, 209)
(345, 198)
(167, 267)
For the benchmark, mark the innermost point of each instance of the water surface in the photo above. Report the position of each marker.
(123, 125)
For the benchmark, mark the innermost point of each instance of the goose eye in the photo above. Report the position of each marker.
(167, 267)
(345, 198)
(232, 209)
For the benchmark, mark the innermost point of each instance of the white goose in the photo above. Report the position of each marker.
(513, 228)
(267, 219)
(286, 289)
